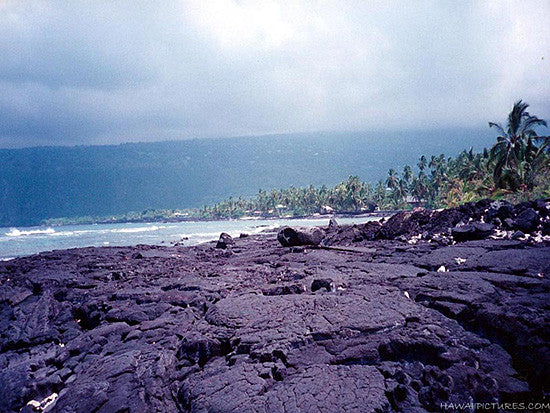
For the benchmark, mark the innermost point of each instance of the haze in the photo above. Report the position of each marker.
(107, 72)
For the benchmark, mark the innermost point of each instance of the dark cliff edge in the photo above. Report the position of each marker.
(423, 309)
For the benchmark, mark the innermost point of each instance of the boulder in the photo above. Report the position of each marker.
(496, 222)
(509, 223)
(506, 211)
(405, 223)
(347, 234)
(541, 206)
(527, 221)
(290, 237)
(225, 241)
(473, 231)
(519, 208)
(325, 283)
(501, 210)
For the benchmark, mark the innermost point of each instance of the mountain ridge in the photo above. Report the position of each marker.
(56, 181)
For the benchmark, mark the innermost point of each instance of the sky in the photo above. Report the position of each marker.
(98, 72)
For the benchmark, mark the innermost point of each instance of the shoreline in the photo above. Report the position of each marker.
(377, 214)
(404, 316)
(32, 240)
(380, 214)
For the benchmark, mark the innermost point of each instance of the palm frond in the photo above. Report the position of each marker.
(498, 127)
(515, 117)
(528, 124)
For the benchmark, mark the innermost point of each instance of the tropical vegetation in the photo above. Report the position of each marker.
(516, 168)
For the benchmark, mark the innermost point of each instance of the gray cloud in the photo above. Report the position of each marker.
(101, 72)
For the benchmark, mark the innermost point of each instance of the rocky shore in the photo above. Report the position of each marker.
(422, 309)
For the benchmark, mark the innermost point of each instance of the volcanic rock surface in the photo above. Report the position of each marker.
(258, 327)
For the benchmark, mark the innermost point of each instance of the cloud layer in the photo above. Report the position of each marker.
(103, 72)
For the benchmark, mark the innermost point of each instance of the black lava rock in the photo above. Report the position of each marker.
(501, 210)
(473, 231)
(540, 205)
(325, 283)
(518, 235)
(527, 221)
(231, 332)
(225, 241)
(290, 237)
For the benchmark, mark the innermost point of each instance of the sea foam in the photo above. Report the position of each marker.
(14, 232)
(138, 229)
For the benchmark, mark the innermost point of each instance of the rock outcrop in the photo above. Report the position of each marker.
(225, 241)
(264, 328)
(472, 231)
(470, 221)
(292, 237)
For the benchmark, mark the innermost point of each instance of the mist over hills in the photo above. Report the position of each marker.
(50, 182)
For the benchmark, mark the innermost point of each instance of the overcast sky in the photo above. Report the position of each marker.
(76, 72)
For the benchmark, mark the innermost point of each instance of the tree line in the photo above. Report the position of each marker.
(517, 167)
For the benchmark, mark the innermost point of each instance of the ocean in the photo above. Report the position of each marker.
(17, 242)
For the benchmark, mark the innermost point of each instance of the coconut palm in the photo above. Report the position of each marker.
(380, 194)
(407, 175)
(422, 163)
(516, 158)
(392, 180)
(419, 187)
(520, 123)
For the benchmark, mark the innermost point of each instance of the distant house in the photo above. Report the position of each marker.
(413, 202)
(327, 209)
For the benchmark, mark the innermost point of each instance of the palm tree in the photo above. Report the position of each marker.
(420, 187)
(515, 146)
(407, 175)
(520, 123)
(469, 165)
(397, 186)
(422, 163)
(392, 180)
(380, 194)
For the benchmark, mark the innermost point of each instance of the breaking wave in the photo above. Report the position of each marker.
(14, 232)
(138, 229)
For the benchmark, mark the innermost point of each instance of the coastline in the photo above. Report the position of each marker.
(32, 240)
(76, 221)
(407, 322)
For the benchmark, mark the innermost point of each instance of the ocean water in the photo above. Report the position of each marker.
(16, 242)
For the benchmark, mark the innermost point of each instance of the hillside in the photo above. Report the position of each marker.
(49, 182)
